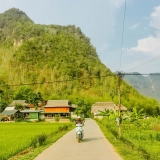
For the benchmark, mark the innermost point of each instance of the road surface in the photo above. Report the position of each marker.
(94, 146)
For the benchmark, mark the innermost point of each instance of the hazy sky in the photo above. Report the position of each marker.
(102, 22)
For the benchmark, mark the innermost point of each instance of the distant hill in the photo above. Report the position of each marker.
(146, 85)
(60, 63)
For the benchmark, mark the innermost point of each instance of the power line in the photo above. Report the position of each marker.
(152, 65)
(122, 74)
(78, 79)
(122, 34)
(144, 74)
(154, 59)
(59, 81)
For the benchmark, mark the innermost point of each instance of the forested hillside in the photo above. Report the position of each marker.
(59, 62)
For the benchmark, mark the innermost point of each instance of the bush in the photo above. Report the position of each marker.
(42, 138)
(34, 142)
(63, 128)
(57, 118)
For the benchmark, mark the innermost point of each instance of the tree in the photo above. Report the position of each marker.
(34, 98)
(1, 93)
(23, 93)
(3, 105)
(83, 108)
(27, 93)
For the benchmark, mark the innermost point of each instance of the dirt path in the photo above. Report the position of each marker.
(94, 146)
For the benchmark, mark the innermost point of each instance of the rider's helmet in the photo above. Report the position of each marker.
(79, 117)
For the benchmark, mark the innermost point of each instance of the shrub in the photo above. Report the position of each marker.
(34, 142)
(63, 128)
(57, 118)
(42, 138)
(158, 136)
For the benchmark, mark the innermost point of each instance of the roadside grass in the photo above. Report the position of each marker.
(26, 140)
(124, 150)
(140, 140)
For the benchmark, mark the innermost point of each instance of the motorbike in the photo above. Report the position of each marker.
(79, 132)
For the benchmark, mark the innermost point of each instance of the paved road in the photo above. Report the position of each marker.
(94, 146)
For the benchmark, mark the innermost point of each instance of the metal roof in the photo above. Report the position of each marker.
(9, 108)
(20, 102)
(55, 112)
(101, 106)
(30, 111)
(74, 106)
(57, 103)
(9, 112)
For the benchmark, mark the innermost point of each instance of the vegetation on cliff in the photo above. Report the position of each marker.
(60, 63)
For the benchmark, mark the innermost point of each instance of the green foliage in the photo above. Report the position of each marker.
(3, 105)
(34, 142)
(39, 54)
(57, 117)
(23, 92)
(27, 93)
(135, 115)
(10, 22)
(83, 108)
(25, 136)
(141, 137)
(63, 128)
(19, 107)
(109, 113)
(42, 138)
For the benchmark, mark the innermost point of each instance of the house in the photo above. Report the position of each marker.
(10, 113)
(32, 115)
(102, 106)
(123, 108)
(61, 108)
(39, 106)
(16, 103)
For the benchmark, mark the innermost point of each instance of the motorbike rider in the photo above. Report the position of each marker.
(79, 121)
(79, 127)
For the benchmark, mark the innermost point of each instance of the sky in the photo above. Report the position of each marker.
(126, 34)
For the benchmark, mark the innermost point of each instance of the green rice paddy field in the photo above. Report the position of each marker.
(15, 137)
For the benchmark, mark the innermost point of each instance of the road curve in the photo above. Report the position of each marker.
(94, 146)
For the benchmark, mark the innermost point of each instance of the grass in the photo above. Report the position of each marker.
(18, 137)
(140, 139)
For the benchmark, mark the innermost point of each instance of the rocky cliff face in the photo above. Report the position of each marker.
(146, 85)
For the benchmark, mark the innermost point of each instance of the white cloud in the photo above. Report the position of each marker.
(151, 44)
(155, 18)
(134, 26)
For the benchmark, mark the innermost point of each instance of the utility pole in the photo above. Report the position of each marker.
(119, 74)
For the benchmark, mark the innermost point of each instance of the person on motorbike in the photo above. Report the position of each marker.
(79, 121)
(79, 130)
